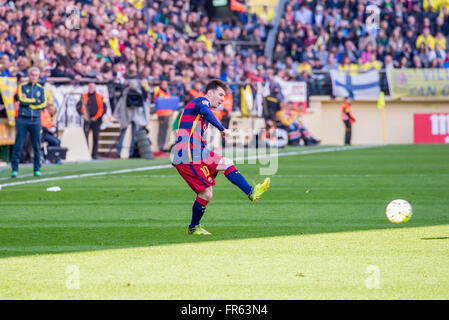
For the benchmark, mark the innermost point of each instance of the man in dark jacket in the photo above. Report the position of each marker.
(271, 105)
(32, 100)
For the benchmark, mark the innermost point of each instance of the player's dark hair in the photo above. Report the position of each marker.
(216, 83)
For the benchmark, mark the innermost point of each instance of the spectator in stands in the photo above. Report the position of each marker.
(396, 42)
(304, 15)
(331, 63)
(267, 14)
(351, 51)
(417, 62)
(21, 67)
(319, 19)
(440, 56)
(310, 39)
(346, 65)
(279, 54)
(424, 56)
(309, 54)
(441, 25)
(374, 63)
(410, 38)
(404, 63)
(440, 40)
(337, 40)
(408, 52)
(388, 62)
(425, 38)
(5, 66)
(366, 54)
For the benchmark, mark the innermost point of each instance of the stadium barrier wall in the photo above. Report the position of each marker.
(324, 121)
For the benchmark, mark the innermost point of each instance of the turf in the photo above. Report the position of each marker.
(320, 232)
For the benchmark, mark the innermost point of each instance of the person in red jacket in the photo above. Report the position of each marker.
(92, 108)
(48, 126)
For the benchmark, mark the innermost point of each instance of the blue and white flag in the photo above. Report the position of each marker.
(359, 86)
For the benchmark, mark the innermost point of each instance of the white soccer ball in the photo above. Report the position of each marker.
(399, 211)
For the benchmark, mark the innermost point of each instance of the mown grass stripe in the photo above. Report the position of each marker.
(86, 175)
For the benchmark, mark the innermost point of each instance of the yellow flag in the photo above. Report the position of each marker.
(381, 100)
(246, 98)
(381, 106)
(8, 88)
(243, 104)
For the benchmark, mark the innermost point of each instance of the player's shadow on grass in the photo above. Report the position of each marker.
(44, 236)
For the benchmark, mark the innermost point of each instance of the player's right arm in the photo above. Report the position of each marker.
(204, 109)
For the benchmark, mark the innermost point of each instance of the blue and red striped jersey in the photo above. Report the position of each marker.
(190, 144)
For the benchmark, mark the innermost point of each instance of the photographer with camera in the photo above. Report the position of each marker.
(132, 108)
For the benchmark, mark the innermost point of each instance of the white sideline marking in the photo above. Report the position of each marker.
(166, 166)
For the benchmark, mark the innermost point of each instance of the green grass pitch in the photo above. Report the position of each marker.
(320, 232)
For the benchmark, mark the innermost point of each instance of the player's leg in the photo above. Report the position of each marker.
(232, 174)
(198, 209)
(199, 206)
(196, 179)
(21, 134)
(236, 178)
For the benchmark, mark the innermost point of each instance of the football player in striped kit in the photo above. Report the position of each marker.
(198, 165)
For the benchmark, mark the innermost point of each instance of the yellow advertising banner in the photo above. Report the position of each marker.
(8, 87)
(419, 83)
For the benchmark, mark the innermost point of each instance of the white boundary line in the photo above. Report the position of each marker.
(94, 174)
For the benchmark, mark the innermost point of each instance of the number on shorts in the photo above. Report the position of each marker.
(205, 170)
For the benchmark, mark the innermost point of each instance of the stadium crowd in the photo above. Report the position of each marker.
(174, 40)
(321, 36)
(113, 40)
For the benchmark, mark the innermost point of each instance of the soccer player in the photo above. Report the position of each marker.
(198, 165)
